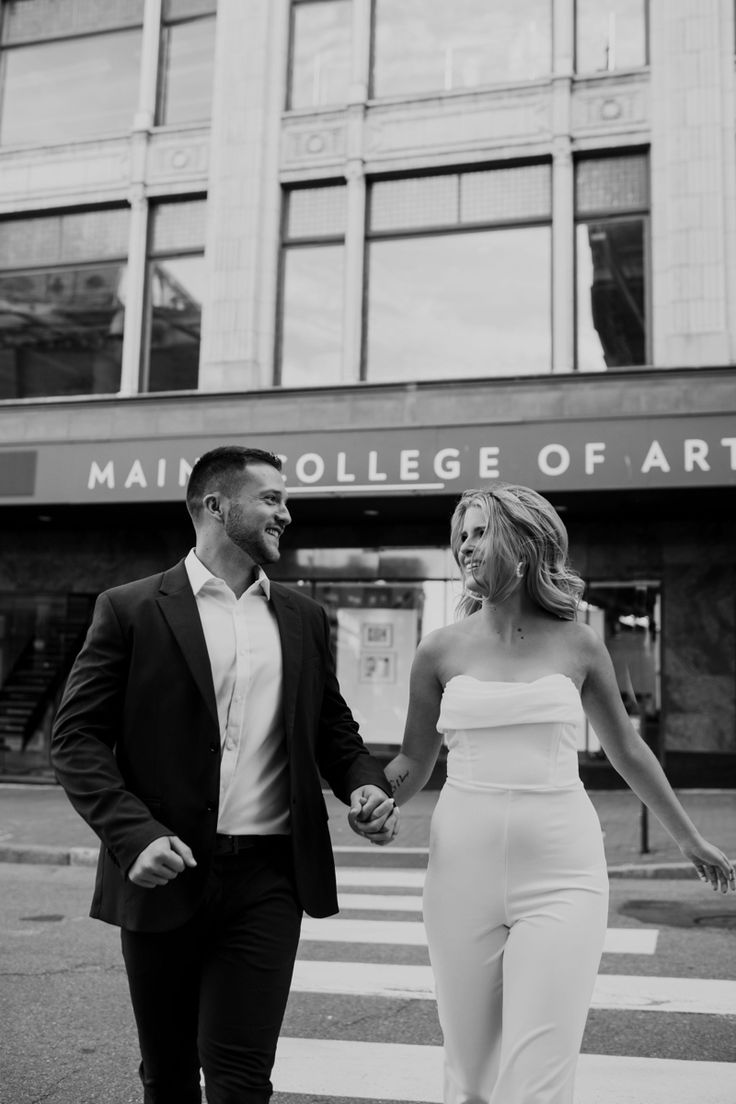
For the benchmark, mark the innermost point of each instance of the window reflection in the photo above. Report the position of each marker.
(454, 305)
(610, 35)
(432, 46)
(320, 68)
(610, 294)
(177, 289)
(188, 71)
(61, 331)
(71, 88)
(311, 339)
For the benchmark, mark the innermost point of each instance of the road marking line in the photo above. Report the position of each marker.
(397, 1071)
(411, 933)
(374, 902)
(617, 992)
(406, 878)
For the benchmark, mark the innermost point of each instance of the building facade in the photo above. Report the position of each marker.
(413, 247)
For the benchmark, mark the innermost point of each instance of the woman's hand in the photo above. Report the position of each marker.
(711, 865)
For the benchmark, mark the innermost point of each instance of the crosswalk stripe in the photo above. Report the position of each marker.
(407, 1072)
(374, 902)
(618, 992)
(411, 933)
(370, 876)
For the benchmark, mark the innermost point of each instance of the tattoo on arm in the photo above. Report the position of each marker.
(397, 782)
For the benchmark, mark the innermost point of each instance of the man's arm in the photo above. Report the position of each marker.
(87, 727)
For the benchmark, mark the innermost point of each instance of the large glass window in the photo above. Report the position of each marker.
(459, 275)
(627, 617)
(320, 53)
(432, 46)
(62, 303)
(187, 61)
(611, 34)
(312, 287)
(611, 197)
(176, 287)
(69, 70)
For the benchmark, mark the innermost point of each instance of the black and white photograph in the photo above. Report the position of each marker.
(368, 551)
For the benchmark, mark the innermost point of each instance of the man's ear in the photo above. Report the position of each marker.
(212, 504)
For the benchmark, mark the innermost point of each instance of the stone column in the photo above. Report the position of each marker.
(563, 215)
(145, 117)
(356, 193)
(241, 251)
(693, 174)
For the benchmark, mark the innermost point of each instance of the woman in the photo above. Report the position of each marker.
(516, 894)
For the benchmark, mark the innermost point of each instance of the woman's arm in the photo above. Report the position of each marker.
(639, 767)
(411, 768)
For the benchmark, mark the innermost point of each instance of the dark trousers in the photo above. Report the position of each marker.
(213, 993)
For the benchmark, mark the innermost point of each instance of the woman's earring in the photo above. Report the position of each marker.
(520, 570)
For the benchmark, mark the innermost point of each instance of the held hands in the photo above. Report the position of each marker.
(711, 865)
(160, 862)
(373, 815)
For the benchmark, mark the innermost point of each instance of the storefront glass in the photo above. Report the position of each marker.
(459, 305)
(433, 46)
(610, 35)
(62, 304)
(69, 89)
(39, 637)
(320, 53)
(176, 289)
(611, 278)
(187, 67)
(628, 618)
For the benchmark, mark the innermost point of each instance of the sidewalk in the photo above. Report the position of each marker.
(37, 824)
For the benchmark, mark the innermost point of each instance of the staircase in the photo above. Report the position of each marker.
(39, 672)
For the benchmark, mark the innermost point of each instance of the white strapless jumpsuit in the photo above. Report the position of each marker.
(516, 894)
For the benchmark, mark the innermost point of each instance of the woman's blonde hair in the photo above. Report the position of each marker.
(521, 527)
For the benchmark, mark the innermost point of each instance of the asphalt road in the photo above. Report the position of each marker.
(68, 1034)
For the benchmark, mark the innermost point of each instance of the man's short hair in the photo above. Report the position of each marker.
(220, 470)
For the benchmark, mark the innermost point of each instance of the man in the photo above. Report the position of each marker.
(192, 734)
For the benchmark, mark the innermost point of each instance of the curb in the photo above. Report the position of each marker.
(87, 856)
(51, 856)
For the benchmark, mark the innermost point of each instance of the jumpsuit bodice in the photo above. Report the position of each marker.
(512, 735)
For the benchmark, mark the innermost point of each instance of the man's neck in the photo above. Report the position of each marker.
(234, 567)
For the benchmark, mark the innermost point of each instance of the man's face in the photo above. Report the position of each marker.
(257, 514)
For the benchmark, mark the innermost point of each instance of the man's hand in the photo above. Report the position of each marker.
(373, 815)
(160, 862)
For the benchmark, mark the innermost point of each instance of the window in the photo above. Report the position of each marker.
(69, 70)
(611, 200)
(62, 304)
(176, 284)
(610, 35)
(312, 287)
(459, 275)
(432, 46)
(187, 61)
(320, 53)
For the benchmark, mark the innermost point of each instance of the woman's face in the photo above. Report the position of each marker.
(472, 530)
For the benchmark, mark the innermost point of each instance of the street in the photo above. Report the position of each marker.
(361, 1023)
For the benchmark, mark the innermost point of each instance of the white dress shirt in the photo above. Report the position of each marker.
(245, 656)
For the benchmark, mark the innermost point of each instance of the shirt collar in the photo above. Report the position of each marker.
(200, 576)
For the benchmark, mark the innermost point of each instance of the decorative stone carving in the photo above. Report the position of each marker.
(605, 105)
(179, 156)
(313, 141)
(76, 172)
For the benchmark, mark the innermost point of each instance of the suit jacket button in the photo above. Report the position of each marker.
(214, 747)
(211, 807)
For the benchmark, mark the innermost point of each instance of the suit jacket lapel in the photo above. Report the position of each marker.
(290, 630)
(179, 607)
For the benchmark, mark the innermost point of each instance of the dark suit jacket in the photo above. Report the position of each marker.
(136, 744)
